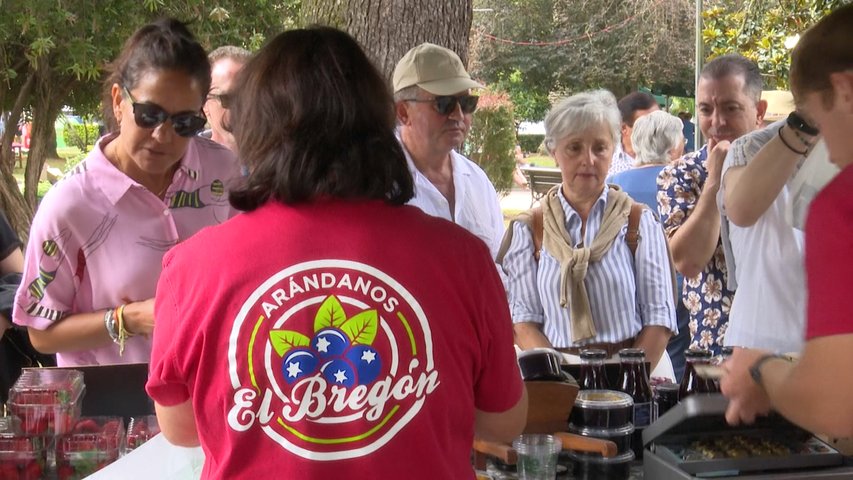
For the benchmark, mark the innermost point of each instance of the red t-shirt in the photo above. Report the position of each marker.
(829, 258)
(334, 340)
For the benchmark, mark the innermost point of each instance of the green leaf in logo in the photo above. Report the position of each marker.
(283, 340)
(331, 314)
(361, 328)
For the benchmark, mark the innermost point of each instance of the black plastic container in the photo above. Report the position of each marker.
(602, 409)
(666, 397)
(621, 436)
(540, 364)
(596, 467)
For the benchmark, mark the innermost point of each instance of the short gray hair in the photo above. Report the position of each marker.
(406, 93)
(575, 114)
(238, 54)
(654, 135)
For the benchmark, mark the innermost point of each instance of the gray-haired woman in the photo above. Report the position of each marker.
(586, 287)
(658, 139)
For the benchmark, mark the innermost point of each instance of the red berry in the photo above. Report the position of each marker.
(86, 425)
(65, 472)
(33, 471)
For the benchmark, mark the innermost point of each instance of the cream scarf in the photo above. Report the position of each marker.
(575, 261)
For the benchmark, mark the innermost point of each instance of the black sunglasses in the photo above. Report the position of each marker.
(150, 115)
(446, 104)
(224, 99)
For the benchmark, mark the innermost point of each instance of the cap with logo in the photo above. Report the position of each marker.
(436, 69)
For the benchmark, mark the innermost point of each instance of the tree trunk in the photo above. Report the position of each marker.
(387, 29)
(47, 102)
(17, 211)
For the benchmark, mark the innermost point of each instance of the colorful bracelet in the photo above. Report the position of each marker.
(123, 334)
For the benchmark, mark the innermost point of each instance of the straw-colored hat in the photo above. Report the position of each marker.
(436, 69)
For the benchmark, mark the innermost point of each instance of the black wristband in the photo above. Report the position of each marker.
(781, 137)
(755, 369)
(797, 122)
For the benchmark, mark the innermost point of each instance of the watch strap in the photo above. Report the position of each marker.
(755, 369)
(796, 122)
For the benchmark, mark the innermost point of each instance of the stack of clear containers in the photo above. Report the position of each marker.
(47, 401)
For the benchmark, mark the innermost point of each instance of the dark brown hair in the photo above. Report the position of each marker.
(313, 118)
(629, 104)
(824, 49)
(732, 64)
(165, 44)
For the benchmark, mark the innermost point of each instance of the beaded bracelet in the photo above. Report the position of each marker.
(781, 137)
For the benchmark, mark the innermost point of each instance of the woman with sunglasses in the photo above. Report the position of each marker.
(98, 238)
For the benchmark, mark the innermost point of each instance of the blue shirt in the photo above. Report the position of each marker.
(689, 131)
(640, 184)
(623, 298)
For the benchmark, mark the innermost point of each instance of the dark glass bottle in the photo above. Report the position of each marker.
(691, 382)
(592, 370)
(666, 397)
(634, 380)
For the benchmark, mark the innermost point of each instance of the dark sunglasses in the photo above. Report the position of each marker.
(224, 99)
(446, 104)
(150, 115)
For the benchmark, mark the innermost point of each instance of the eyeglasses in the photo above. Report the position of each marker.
(446, 104)
(150, 115)
(224, 99)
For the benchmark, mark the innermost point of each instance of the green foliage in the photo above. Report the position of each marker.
(491, 140)
(759, 30)
(530, 142)
(80, 135)
(682, 104)
(565, 46)
(43, 187)
(530, 105)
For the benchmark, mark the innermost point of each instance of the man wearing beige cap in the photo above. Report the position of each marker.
(434, 108)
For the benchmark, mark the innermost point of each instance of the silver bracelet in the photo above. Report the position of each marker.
(110, 324)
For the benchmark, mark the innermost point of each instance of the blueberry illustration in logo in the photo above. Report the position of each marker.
(299, 363)
(330, 343)
(339, 372)
(367, 363)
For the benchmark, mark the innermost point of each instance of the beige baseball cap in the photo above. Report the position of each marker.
(436, 69)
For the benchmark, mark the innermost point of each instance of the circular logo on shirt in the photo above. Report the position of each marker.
(330, 359)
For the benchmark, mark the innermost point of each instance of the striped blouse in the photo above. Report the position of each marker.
(623, 299)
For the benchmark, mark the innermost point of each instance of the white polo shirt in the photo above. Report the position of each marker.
(477, 208)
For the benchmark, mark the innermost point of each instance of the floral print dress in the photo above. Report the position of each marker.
(706, 296)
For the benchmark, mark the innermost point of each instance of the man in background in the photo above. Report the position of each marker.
(432, 92)
(225, 62)
(631, 107)
(728, 106)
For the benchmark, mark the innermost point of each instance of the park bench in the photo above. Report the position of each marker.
(540, 180)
